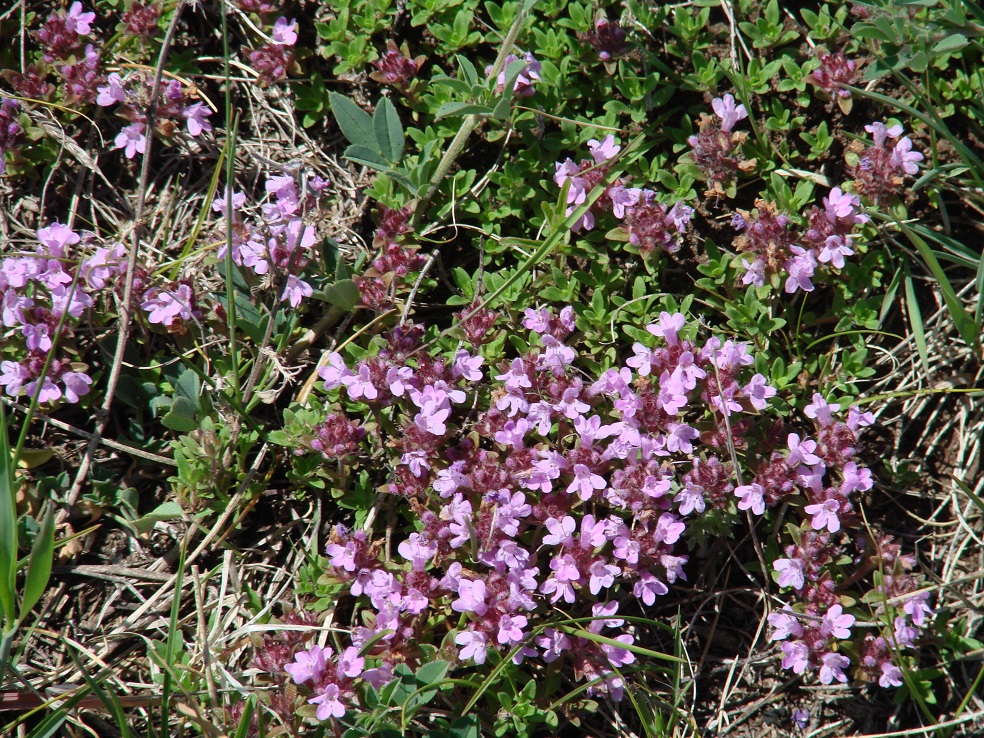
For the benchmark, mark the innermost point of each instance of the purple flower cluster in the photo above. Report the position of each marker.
(276, 245)
(881, 167)
(61, 35)
(715, 148)
(780, 250)
(11, 131)
(131, 96)
(272, 61)
(579, 492)
(607, 39)
(396, 68)
(648, 223)
(140, 20)
(397, 259)
(835, 71)
(824, 473)
(36, 292)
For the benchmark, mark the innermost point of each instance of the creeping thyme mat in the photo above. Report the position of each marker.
(478, 369)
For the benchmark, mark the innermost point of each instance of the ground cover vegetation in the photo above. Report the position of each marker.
(480, 369)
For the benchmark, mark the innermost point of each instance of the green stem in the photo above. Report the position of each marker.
(471, 122)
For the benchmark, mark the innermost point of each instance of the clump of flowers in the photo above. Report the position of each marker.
(579, 496)
(814, 630)
(834, 72)
(54, 286)
(61, 35)
(528, 76)
(140, 20)
(538, 484)
(11, 131)
(131, 97)
(879, 170)
(647, 223)
(395, 67)
(607, 38)
(272, 61)
(716, 147)
(277, 246)
(779, 249)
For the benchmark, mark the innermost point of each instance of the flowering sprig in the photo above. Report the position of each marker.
(647, 223)
(276, 245)
(716, 147)
(815, 629)
(782, 254)
(879, 170)
(272, 61)
(130, 95)
(42, 291)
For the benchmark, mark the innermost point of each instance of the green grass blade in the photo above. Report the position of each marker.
(106, 696)
(39, 565)
(915, 319)
(242, 730)
(965, 324)
(8, 533)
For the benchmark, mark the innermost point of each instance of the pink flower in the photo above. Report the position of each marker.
(785, 624)
(800, 268)
(837, 623)
(801, 452)
(471, 597)
(194, 116)
(78, 21)
(728, 112)
(891, 675)
(56, 238)
(328, 702)
(284, 32)
(824, 515)
(511, 629)
(832, 668)
(758, 392)
(751, 496)
(111, 93)
(585, 482)
(790, 573)
(796, 656)
(820, 410)
(308, 665)
(132, 140)
(76, 385)
(473, 646)
(834, 250)
(604, 150)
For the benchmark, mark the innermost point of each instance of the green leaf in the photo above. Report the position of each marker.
(366, 156)
(343, 294)
(951, 43)
(188, 386)
(388, 130)
(965, 324)
(465, 726)
(354, 122)
(916, 320)
(165, 511)
(455, 109)
(432, 672)
(39, 565)
(8, 529)
(182, 417)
